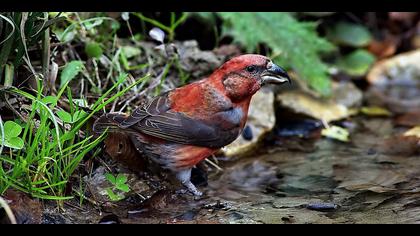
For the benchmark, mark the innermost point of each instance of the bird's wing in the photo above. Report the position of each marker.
(157, 119)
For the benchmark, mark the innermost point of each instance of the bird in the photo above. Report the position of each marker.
(181, 127)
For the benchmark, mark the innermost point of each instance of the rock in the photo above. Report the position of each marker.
(395, 83)
(193, 60)
(261, 120)
(322, 206)
(402, 69)
(346, 96)
(227, 51)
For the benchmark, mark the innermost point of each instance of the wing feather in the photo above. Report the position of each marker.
(158, 120)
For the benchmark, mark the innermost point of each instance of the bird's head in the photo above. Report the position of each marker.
(242, 76)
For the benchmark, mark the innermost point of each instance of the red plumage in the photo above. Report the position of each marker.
(181, 127)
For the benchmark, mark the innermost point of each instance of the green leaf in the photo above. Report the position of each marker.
(115, 25)
(111, 178)
(11, 129)
(123, 187)
(349, 34)
(64, 116)
(93, 23)
(93, 50)
(70, 71)
(66, 35)
(297, 44)
(336, 132)
(81, 102)
(15, 143)
(121, 179)
(113, 196)
(130, 51)
(356, 63)
(78, 115)
(50, 100)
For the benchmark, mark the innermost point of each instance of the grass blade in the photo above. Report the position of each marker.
(2, 135)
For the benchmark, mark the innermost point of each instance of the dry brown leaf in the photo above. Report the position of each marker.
(306, 104)
(25, 209)
(384, 48)
(400, 145)
(402, 16)
(414, 132)
(409, 119)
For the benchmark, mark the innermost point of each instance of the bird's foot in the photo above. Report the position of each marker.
(192, 189)
(184, 177)
(189, 188)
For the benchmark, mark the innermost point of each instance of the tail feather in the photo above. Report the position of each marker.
(108, 121)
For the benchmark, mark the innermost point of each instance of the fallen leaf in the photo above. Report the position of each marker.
(413, 132)
(369, 177)
(375, 111)
(399, 145)
(306, 104)
(384, 48)
(402, 16)
(409, 119)
(336, 132)
(25, 209)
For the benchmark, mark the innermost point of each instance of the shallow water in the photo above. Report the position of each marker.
(296, 181)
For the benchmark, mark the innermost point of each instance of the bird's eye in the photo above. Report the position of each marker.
(251, 69)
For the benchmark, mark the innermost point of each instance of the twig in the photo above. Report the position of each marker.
(214, 165)
(93, 201)
(23, 37)
(95, 65)
(46, 54)
(104, 164)
(6, 100)
(9, 211)
(1, 135)
(128, 101)
(325, 124)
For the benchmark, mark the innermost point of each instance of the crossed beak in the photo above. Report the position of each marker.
(274, 74)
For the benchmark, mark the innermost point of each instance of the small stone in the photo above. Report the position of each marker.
(322, 206)
(247, 133)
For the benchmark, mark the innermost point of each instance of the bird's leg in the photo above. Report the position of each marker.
(184, 177)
